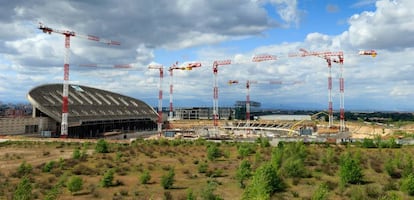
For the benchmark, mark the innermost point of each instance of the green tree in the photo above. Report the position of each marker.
(265, 182)
(167, 180)
(23, 190)
(108, 178)
(74, 184)
(101, 146)
(407, 185)
(243, 172)
(145, 177)
(213, 152)
(350, 170)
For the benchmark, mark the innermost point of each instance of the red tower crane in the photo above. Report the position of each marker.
(328, 57)
(161, 70)
(68, 34)
(340, 60)
(188, 66)
(216, 64)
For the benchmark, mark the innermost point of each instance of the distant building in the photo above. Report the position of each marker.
(203, 113)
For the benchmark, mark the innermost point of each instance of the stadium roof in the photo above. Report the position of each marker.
(88, 104)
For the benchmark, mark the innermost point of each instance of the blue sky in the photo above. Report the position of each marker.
(165, 32)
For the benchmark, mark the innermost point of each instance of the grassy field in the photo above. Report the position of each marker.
(305, 171)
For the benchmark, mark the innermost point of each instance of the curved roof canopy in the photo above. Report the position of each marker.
(88, 104)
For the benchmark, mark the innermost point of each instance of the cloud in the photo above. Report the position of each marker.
(390, 26)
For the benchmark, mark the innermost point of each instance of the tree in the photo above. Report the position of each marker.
(145, 177)
(108, 178)
(74, 184)
(23, 190)
(243, 172)
(264, 183)
(167, 180)
(349, 170)
(101, 146)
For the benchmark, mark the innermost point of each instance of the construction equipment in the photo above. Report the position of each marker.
(216, 64)
(161, 70)
(188, 66)
(68, 34)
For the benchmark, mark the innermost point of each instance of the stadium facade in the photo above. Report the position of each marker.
(92, 112)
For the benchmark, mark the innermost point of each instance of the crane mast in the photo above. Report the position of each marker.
(160, 68)
(65, 94)
(189, 66)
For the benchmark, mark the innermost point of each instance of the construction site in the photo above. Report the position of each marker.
(90, 113)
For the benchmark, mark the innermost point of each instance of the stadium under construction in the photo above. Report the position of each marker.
(92, 112)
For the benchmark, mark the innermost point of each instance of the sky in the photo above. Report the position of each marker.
(166, 32)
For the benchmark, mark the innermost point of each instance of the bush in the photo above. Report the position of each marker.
(207, 193)
(76, 154)
(245, 150)
(264, 183)
(74, 184)
(167, 180)
(49, 166)
(108, 178)
(294, 168)
(350, 171)
(23, 190)
(145, 177)
(24, 169)
(407, 185)
(213, 152)
(202, 167)
(101, 146)
(321, 193)
(243, 172)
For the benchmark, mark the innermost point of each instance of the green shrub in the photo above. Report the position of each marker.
(213, 152)
(101, 146)
(350, 170)
(243, 172)
(48, 166)
(145, 177)
(76, 154)
(24, 169)
(202, 167)
(407, 185)
(108, 178)
(265, 182)
(321, 193)
(23, 190)
(167, 180)
(74, 184)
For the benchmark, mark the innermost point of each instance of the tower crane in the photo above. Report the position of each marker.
(327, 55)
(68, 34)
(216, 64)
(160, 68)
(188, 66)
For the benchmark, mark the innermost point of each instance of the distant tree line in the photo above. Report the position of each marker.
(382, 117)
